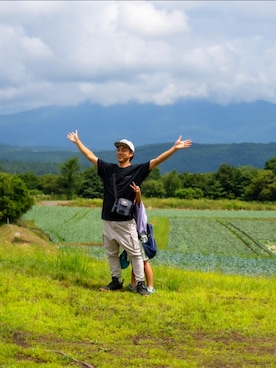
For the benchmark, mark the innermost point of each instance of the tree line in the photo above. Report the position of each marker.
(246, 183)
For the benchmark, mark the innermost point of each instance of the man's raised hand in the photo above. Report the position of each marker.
(179, 144)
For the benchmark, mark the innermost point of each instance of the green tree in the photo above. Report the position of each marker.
(49, 184)
(213, 188)
(153, 189)
(271, 165)
(92, 186)
(189, 193)
(262, 187)
(247, 173)
(15, 198)
(155, 174)
(230, 180)
(70, 179)
(30, 179)
(172, 182)
(199, 182)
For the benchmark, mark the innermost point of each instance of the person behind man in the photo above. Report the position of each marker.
(141, 223)
(117, 229)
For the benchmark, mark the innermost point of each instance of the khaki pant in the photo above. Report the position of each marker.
(124, 234)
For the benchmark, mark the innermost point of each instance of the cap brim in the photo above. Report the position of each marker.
(118, 144)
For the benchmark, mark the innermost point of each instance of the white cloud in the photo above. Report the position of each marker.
(144, 19)
(109, 52)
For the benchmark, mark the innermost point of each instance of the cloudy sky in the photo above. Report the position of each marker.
(112, 52)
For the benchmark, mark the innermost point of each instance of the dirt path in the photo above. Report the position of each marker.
(52, 203)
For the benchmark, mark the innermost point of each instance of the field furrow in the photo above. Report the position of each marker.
(225, 241)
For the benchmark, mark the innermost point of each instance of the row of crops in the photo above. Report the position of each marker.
(240, 242)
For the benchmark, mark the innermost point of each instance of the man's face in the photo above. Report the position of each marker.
(123, 154)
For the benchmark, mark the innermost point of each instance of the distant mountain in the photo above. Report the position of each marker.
(144, 124)
(200, 158)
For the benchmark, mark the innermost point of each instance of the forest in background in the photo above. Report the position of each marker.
(200, 158)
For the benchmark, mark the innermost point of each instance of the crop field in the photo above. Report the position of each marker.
(68, 224)
(232, 242)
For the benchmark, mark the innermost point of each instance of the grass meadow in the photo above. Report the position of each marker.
(214, 306)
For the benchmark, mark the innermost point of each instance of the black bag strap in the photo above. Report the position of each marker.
(114, 186)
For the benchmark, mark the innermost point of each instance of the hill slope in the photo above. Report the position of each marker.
(200, 158)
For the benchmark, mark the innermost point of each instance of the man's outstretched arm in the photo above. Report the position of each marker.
(179, 144)
(73, 137)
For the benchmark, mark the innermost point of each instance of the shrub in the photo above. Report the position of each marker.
(15, 198)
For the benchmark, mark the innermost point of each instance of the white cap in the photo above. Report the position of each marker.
(125, 142)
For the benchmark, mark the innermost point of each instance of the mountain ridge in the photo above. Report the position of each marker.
(199, 158)
(100, 126)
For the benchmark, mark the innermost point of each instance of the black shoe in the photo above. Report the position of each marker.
(142, 289)
(115, 284)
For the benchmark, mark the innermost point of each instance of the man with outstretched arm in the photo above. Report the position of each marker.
(117, 229)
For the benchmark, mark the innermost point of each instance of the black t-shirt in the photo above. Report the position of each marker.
(124, 177)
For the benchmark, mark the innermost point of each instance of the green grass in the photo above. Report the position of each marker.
(161, 226)
(52, 315)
